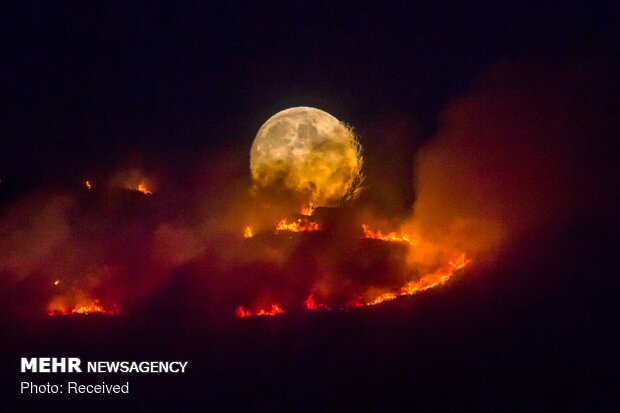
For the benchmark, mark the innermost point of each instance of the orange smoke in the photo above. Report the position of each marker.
(507, 161)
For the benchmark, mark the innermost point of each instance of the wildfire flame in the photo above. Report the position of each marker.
(435, 276)
(307, 211)
(299, 225)
(143, 188)
(248, 233)
(391, 237)
(275, 309)
(58, 308)
(427, 282)
(311, 304)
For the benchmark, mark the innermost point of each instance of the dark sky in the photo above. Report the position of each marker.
(85, 84)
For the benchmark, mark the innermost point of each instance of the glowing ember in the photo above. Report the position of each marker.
(142, 187)
(56, 282)
(57, 308)
(275, 309)
(248, 233)
(300, 225)
(88, 185)
(392, 236)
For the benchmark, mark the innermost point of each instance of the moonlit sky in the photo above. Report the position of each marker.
(89, 85)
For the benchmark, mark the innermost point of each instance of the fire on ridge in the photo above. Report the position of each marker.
(457, 261)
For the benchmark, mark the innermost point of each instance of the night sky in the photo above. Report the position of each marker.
(87, 84)
(465, 111)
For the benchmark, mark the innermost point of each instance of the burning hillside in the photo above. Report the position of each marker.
(114, 250)
(344, 267)
(301, 235)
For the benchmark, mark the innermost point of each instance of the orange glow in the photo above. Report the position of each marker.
(58, 307)
(300, 225)
(88, 185)
(356, 302)
(426, 282)
(460, 262)
(56, 282)
(392, 236)
(382, 298)
(275, 309)
(248, 233)
(307, 211)
(312, 305)
(142, 187)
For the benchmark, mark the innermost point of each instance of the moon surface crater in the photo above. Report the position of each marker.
(309, 152)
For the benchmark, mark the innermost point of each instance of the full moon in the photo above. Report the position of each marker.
(307, 151)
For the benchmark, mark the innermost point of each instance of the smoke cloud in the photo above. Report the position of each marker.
(520, 154)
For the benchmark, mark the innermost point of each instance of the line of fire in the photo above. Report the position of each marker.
(296, 240)
(327, 260)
